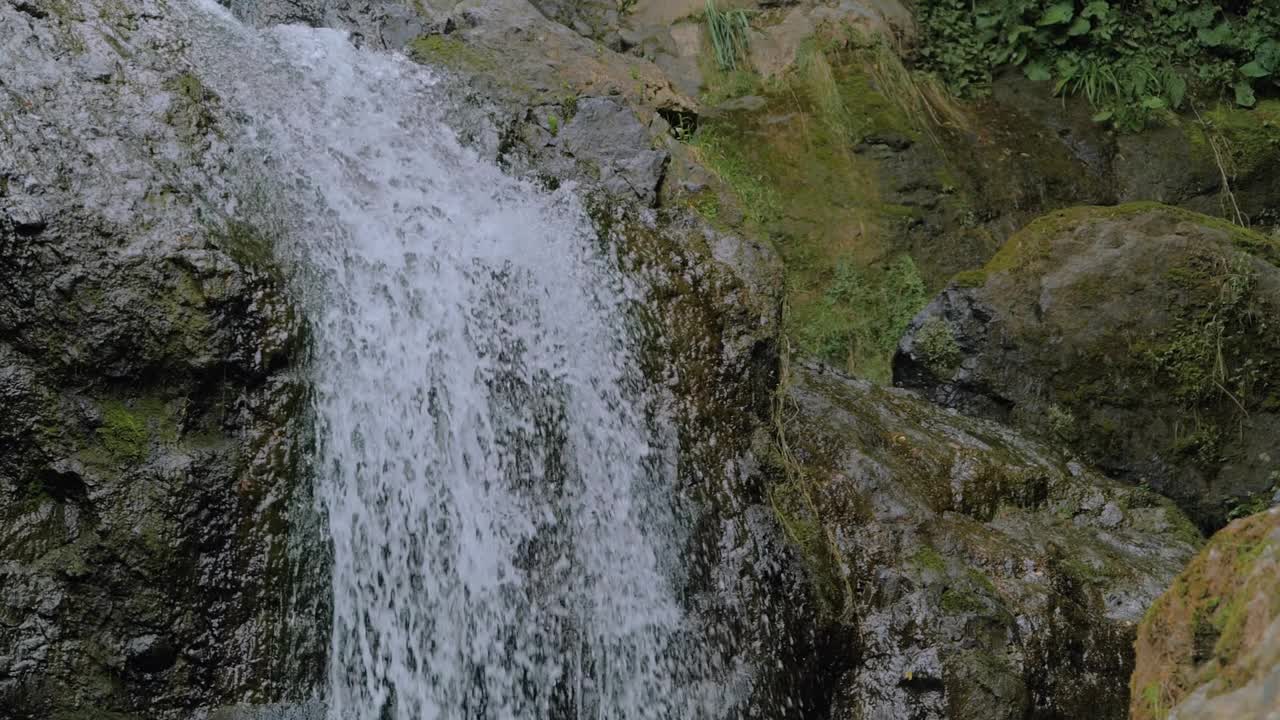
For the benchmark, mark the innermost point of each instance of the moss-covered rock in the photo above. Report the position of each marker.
(1142, 335)
(1220, 162)
(150, 419)
(960, 569)
(1209, 649)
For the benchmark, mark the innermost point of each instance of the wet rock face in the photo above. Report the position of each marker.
(1141, 336)
(962, 570)
(147, 436)
(1209, 649)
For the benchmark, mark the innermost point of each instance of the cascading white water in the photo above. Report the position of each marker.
(503, 536)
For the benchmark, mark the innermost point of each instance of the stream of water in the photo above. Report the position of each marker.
(500, 509)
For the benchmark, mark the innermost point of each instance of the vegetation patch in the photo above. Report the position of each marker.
(1133, 60)
(794, 174)
(937, 346)
(449, 52)
(123, 434)
(728, 30)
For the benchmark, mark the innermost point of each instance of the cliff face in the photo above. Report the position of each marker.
(148, 442)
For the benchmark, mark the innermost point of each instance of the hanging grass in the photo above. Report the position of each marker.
(728, 32)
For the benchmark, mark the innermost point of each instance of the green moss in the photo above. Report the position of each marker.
(792, 174)
(1196, 634)
(189, 112)
(189, 87)
(122, 434)
(1252, 136)
(128, 430)
(449, 52)
(247, 244)
(1033, 242)
(970, 278)
(929, 559)
(796, 511)
(958, 601)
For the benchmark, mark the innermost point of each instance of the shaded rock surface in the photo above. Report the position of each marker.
(1142, 336)
(960, 569)
(148, 438)
(1209, 649)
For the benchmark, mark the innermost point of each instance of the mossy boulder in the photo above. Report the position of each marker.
(1142, 336)
(959, 569)
(1209, 649)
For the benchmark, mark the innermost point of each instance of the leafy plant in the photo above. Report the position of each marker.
(1132, 59)
(728, 30)
(938, 347)
(863, 312)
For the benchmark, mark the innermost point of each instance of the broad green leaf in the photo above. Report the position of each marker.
(1096, 9)
(1103, 116)
(1254, 70)
(1215, 37)
(1057, 14)
(986, 20)
(1037, 71)
(1244, 94)
(1018, 31)
(1151, 102)
(1079, 27)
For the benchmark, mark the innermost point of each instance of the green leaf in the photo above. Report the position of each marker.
(1151, 102)
(1244, 94)
(1057, 14)
(986, 20)
(1079, 27)
(1176, 87)
(1220, 35)
(1202, 17)
(1103, 116)
(1037, 71)
(1018, 31)
(1254, 70)
(1097, 9)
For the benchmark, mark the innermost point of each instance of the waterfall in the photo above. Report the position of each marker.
(505, 542)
